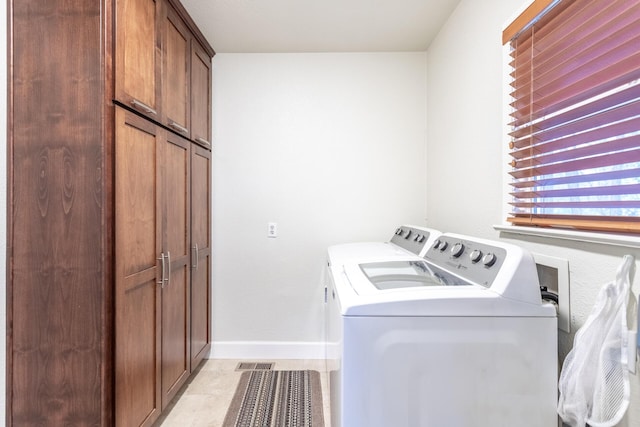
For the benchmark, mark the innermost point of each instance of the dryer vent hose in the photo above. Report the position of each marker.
(548, 295)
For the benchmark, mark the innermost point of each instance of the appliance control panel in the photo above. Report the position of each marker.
(410, 238)
(476, 261)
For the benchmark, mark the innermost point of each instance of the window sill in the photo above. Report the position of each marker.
(579, 236)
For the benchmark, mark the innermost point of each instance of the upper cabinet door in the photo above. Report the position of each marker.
(200, 95)
(138, 56)
(176, 67)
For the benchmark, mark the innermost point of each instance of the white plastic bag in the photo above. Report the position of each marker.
(594, 383)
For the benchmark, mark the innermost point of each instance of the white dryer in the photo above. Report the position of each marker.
(460, 338)
(407, 241)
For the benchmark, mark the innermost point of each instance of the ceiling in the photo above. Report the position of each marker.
(256, 26)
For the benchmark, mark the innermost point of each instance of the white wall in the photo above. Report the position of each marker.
(329, 146)
(464, 171)
(3, 201)
(465, 137)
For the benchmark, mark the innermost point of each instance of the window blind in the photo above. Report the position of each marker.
(575, 117)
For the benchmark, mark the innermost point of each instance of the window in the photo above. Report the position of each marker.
(575, 115)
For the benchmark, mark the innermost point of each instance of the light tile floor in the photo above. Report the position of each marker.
(203, 401)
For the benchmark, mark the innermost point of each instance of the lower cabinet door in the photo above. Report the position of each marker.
(201, 254)
(176, 291)
(138, 238)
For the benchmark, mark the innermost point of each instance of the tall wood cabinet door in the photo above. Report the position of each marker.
(200, 95)
(58, 285)
(175, 293)
(201, 254)
(176, 66)
(138, 56)
(138, 237)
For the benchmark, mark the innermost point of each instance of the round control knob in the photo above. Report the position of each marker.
(421, 238)
(489, 259)
(416, 238)
(475, 256)
(457, 250)
(436, 244)
(444, 245)
(408, 234)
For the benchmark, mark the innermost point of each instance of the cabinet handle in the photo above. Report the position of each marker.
(167, 279)
(164, 271)
(194, 262)
(144, 107)
(203, 141)
(177, 127)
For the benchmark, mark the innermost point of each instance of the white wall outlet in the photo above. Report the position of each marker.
(272, 229)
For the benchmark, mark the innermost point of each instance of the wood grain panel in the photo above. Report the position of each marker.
(200, 197)
(137, 402)
(136, 166)
(200, 308)
(175, 328)
(56, 282)
(176, 181)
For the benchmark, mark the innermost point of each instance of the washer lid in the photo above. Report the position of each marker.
(415, 295)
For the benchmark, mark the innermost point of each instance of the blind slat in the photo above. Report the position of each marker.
(619, 174)
(523, 208)
(579, 164)
(580, 192)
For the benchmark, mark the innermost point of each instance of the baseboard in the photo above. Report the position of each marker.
(267, 350)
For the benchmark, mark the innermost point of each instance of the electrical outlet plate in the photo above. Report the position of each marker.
(558, 271)
(272, 229)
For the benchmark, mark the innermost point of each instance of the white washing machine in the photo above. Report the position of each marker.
(460, 338)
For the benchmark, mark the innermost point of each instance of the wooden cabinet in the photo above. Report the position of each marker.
(109, 213)
(138, 56)
(187, 80)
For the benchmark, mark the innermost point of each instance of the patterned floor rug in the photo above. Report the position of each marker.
(276, 399)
